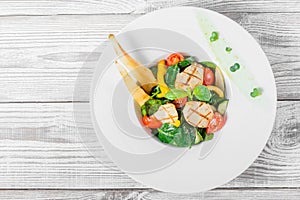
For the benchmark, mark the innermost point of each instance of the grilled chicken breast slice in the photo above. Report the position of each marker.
(191, 77)
(167, 113)
(197, 113)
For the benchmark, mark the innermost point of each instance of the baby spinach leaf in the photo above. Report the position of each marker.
(215, 99)
(185, 136)
(152, 106)
(191, 59)
(176, 94)
(143, 110)
(202, 93)
(184, 64)
(205, 136)
(171, 74)
(202, 132)
(154, 70)
(166, 133)
(209, 64)
(209, 137)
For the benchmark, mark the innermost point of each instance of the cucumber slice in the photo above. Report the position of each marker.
(198, 138)
(216, 90)
(223, 106)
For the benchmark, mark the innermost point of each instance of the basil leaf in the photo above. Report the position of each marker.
(170, 76)
(176, 94)
(202, 93)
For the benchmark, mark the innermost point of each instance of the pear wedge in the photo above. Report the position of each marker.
(138, 94)
(219, 79)
(141, 73)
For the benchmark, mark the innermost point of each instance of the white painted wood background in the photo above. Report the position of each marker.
(43, 45)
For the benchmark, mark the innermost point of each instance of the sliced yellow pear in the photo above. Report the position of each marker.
(141, 73)
(217, 90)
(219, 79)
(138, 94)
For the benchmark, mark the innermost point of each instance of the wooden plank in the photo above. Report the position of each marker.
(41, 57)
(41, 147)
(56, 7)
(245, 194)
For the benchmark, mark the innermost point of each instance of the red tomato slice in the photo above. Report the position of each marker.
(180, 102)
(216, 123)
(174, 58)
(151, 122)
(209, 76)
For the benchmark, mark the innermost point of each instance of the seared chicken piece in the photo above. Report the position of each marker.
(197, 113)
(191, 77)
(167, 113)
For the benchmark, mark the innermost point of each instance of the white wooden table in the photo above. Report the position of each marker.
(43, 45)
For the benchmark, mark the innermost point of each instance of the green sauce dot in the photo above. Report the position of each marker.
(214, 36)
(256, 92)
(232, 69)
(228, 49)
(235, 67)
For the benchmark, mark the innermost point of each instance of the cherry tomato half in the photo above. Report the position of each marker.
(216, 123)
(209, 76)
(151, 122)
(174, 58)
(180, 102)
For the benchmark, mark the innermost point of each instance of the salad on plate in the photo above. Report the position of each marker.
(183, 101)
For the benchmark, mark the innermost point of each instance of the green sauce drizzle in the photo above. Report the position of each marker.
(244, 80)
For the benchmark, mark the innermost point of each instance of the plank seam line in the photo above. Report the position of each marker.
(136, 14)
(145, 189)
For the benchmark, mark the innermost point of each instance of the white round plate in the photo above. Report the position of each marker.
(249, 123)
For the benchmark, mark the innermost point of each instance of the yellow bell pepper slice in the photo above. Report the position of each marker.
(176, 123)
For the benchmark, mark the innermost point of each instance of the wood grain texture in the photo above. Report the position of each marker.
(87, 7)
(41, 147)
(41, 57)
(245, 194)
